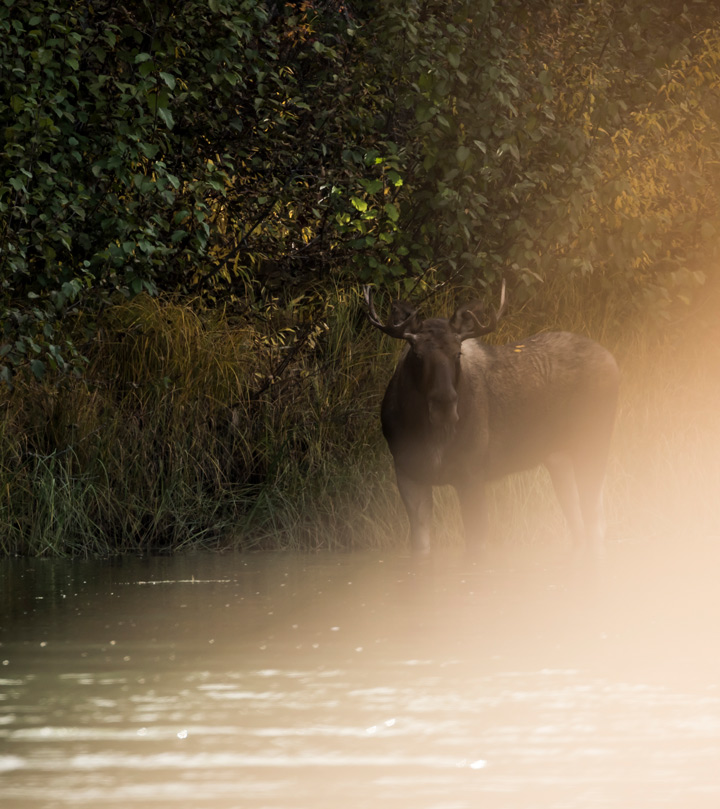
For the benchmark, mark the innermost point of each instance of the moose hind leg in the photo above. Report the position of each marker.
(418, 501)
(591, 460)
(562, 473)
(473, 505)
(591, 478)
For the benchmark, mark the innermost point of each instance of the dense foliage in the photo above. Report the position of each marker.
(231, 147)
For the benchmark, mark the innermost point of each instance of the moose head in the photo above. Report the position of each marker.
(435, 349)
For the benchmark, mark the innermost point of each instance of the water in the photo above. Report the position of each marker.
(363, 680)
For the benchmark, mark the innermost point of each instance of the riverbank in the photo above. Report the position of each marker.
(194, 431)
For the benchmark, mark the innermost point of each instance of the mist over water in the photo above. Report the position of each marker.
(296, 681)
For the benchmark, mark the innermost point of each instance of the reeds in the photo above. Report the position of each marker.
(195, 431)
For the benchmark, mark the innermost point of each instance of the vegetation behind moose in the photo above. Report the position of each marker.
(457, 411)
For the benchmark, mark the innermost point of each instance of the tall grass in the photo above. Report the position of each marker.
(198, 431)
(192, 431)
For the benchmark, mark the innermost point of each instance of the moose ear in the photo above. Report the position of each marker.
(403, 312)
(468, 320)
(403, 319)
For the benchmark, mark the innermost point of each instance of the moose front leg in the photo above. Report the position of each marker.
(473, 506)
(418, 500)
(562, 473)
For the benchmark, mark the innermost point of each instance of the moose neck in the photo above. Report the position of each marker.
(434, 404)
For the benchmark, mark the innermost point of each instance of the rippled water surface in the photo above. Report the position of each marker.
(363, 680)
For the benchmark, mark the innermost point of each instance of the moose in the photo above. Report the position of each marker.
(461, 412)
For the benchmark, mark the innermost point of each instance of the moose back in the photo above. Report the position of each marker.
(457, 411)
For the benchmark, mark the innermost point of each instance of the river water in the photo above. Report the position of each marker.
(525, 680)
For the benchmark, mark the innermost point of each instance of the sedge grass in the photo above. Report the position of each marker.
(183, 436)
(180, 436)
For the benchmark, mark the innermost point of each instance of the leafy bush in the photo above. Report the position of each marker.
(237, 149)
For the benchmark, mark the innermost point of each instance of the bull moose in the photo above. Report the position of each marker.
(458, 411)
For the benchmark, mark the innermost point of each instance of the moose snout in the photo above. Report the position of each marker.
(443, 411)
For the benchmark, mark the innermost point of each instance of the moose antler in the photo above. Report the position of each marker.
(399, 330)
(496, 315)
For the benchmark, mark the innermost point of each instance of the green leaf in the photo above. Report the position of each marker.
(69, 290)
(372, 186)
(392, 211)
(150, 150)
(508, 147)
(168, 78)
(38, 368)
(424, 111)
(359, 204)
(166, 115)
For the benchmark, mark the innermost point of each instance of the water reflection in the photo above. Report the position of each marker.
(283, 681)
